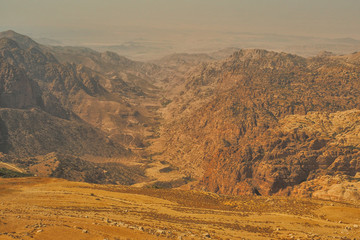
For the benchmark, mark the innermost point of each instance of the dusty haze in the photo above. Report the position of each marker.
(146, 29)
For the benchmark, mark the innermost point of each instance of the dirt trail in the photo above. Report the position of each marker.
(11, 167)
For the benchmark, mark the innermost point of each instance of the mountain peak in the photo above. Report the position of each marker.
(325, 54)
(250, 53)
(256, 54)
(10, 32)
(261, 58)
(23, 41)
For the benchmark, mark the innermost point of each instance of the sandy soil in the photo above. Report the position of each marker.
(41, 208)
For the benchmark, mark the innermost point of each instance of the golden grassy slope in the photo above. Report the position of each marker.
(39, 208)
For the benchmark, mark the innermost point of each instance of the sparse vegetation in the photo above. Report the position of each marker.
(164, 102)
(7, 173)
(108, 211)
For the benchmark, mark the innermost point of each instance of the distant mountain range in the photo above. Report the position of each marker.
(156, 47)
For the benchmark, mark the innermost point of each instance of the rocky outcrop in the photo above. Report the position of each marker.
(61, 165)
(40, 100)
(73, 91)
(34, 132)
(335, 188)
(282, 157)
(16, 89)
(239, 126)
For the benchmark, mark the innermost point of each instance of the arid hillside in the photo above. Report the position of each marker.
(256, 122)
(54, 107)
(262, 122)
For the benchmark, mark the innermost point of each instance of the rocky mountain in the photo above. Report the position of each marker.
(34, 83)
(52, 106)
(231, 126)
(256, 122)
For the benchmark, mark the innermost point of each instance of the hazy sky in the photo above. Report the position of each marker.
(330, 18)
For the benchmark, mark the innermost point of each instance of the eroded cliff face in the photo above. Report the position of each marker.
(17, 90)
(38, 95)
(240, 124)
(51, 107)
(300, 148)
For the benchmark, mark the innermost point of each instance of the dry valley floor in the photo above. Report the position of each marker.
(42, 208)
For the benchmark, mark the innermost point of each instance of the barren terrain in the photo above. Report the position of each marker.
(278, 132)
(43, 208)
